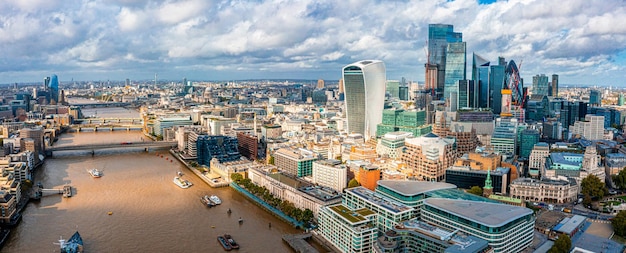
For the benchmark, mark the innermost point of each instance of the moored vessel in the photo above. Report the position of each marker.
(231, 241)
(215, 199)
(95, 172)
(72, 245)
(224, 243)
(207, 201)
(182, 183)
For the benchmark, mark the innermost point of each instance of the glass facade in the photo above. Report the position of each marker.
(467, 94)
(393, 89)
(54, 89)
(530, 137)
(541, 85)
(455, 68)
(439, 35)
(364, 87)
(496, 83)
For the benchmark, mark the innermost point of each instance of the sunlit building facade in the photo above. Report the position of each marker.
(364, 85)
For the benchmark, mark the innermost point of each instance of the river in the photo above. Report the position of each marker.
(135, 206)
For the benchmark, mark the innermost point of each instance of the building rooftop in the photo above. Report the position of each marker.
(568, 225)
(488, 214)
(566, 158)
(321, 192)
(379, 200)
(412, 188)
(355, 216)
(460, 242)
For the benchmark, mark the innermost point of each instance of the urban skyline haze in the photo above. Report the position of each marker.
(584, 42)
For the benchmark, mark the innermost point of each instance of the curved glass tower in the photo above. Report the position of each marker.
(364, 87)
(53, 88)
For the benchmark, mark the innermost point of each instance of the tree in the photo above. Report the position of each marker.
(353, 183)
(236, 177)
(593, 187)
(271, 160)
(476, 190)
(619, 223)
(620, 179)
(561, 245)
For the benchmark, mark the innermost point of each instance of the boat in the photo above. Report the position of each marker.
(215, 199)
(231, 241)
(240, 220)
(95, 173)
(207, 201)
(182, 183)
(72, 245)
(224, 243)
(67, 191)
(180, 173)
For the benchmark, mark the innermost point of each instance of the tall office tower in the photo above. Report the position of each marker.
(46, 82)
(595, 98)
(540, 85)
(554, 91)
(480, 75)
(341, 88)
(439, 35)
(393, 88)
(364, 84)
(127, 83)
(54, 89)
(529, 137)
(455, 68)
(496, 84)
(320, 84)
(620, 99)
(468, 95)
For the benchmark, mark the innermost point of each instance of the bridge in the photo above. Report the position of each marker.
(124, 145)
(108, 120)
(106, 127)
(101, 104)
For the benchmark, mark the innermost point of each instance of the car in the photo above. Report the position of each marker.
(612, 192)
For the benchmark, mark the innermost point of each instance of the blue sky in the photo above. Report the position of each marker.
(581, 40)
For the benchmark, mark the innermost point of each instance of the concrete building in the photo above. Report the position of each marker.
(349, 230)
(36, 134)
(591, 164)
(391, 144)
(330, 173)
(364, 85)
(295, 162)
(552, 190)
(170, 120)
(429, 156)
(591, 129)
(537, 159)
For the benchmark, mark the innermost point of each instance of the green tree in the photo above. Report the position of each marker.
(620, 179)
(561, 245)
(271, 160)
(353, 183)
(619, 223)
(593, 187)
(476, 190)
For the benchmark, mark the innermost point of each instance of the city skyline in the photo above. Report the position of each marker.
(583, 42)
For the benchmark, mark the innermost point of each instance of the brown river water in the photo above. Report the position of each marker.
(135, 206)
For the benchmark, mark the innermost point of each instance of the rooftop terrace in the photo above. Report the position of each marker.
(379, 200)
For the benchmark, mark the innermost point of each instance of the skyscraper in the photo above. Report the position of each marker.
(496, 84)
(320, 84)
(393, 88)
(54, 89)
(467, 96)
(480, 75)
(364, 86)
(595, 98)
(555, 85)
(540, 85)
(439, 35)
(455, 68)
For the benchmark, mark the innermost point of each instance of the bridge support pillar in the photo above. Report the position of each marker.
(95, 129)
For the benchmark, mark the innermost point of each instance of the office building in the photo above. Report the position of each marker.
(320, 84)
(428, 156)
(349, 230)
(595, 98)
(507, 228)
(364, 84)
(537, 159)
(529, 137)
(455, 70)
(222, 148)
(540, 85)
(468, 94)
(591, 129)
(392, 144)
(548, 189)
(295, 162)
(53, 89)
(330, 173)
(32, 139)
(480, 76)
(554, 86)
(465, 177)
(368, 176)
(504, 137)
(439, 36)
(564, 164)
(496, 84)
(393, 89)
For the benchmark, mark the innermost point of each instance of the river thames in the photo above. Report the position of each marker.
(149, 213)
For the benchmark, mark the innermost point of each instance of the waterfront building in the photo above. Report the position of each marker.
(301, 194)
(465, 177)
(8, 207)
(32, 139)
(537, 159)
(389, 211)
(224, 148)
(364, 84)
(226, 169)
(540, 85)
(506, 228)
(439, 36)
(421, 237)
(330, 173)
(392, 144)
(349, 230)
(591, 129)
(428, 156)
(548, 189)
(529, 137)
(295, 162)
(169, 121)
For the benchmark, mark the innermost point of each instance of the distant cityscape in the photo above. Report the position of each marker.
(485, 163)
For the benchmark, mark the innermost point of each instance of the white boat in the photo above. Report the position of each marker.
(182, 183)
(95, 172)
(215, 199)
(207, 201)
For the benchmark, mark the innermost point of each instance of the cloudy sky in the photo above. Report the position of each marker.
(584, 41)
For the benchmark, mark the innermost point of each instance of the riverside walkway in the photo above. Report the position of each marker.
(267, 206)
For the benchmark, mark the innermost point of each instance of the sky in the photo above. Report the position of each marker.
(583, 41)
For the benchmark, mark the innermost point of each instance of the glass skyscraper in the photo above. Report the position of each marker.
(496, 84)
(364, 87)
(455, 69)
(540, 85)
(53, 88)
(480, 75)
(439, 35)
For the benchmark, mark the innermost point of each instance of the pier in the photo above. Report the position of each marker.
(299, 243)
(66, 191)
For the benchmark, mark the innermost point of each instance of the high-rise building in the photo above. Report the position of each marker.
(439, 35)
(537, 159)
(496, 84)
(505, 136)
(554, 86)
(468, 94)
(540, 85)
(341, 88)
(591, 129)
(480, 75)
(595, 98)
(455, 68)
(320, 84)
(364, 83)
(393, 88)
(529, 137)
(620, 99)
(54, 89)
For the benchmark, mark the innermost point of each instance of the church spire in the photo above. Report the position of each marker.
(488, 180)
